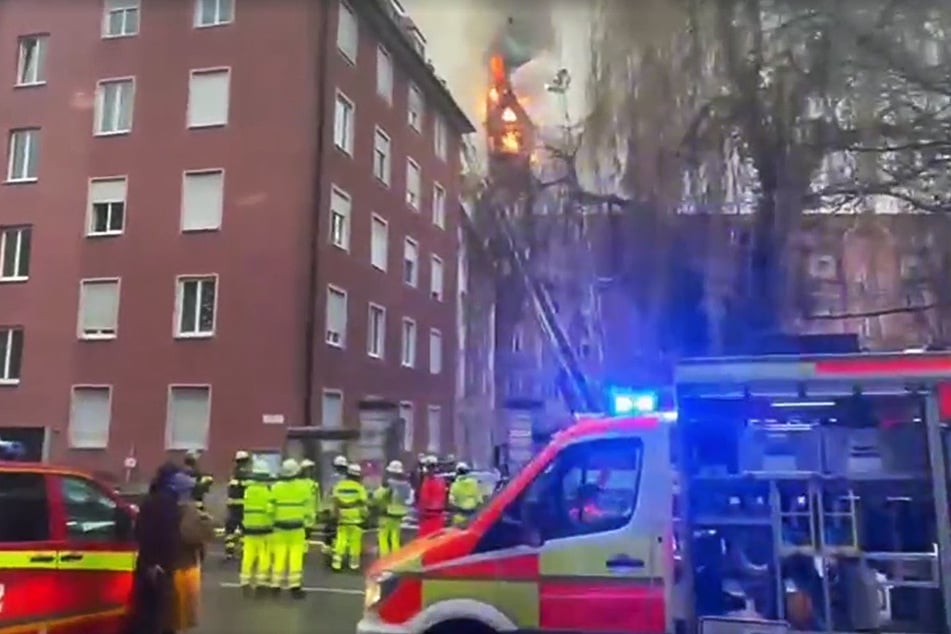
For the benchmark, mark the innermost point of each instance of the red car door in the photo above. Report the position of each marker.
(28, 581)
(96, 558)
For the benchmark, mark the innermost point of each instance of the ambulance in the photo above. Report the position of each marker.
(67, 552)
(725, 517)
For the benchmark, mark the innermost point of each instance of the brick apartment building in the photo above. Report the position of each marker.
(221, 217)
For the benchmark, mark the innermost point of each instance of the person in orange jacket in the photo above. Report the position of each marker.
(432, 499)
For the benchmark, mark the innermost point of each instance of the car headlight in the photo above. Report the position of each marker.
(375, 588)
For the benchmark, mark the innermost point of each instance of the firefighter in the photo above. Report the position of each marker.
(465, 494)
(338, 474)
(236, 486)
(308, 473)
(392, 501)
(203, 481)
(289, 541)
(258, 527)
(432, 499)
(350, 502)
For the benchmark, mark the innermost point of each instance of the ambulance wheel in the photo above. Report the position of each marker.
(461, 626)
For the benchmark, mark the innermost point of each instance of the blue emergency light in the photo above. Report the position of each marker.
(627, 402)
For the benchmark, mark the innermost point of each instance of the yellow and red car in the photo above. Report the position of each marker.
(67, 552)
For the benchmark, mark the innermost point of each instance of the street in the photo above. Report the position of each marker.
(332, 606)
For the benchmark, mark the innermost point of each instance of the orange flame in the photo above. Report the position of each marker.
(510, 142)
(497, 67)
(509, 116)
(494, 94)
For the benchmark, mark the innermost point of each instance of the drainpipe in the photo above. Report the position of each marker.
(324, 56)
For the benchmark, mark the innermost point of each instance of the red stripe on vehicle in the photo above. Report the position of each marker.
(908, 364)
(602, 607)
(404, 603)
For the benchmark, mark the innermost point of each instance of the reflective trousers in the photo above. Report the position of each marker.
(388, 537)
(255, 560)
(287, 557)
(349, 543)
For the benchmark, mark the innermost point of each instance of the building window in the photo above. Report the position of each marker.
(23, 155)
(348, 35)
(121, 18)
(440, 138)
(114, 99)
(11, 354)
(439, 206)
(90, 411)
(107, 206)
(336, 317)
(433, 428)
(331, 410)
(188, 418)
(408, 344)
(413, 179)
(381, 157)
(409, 424)
(209, 96)
(435, 351)
(15, 245)
(31, 60)
(379, 243)
(197, 300)
(376, 331)
(436, 278)
(410, 262)
(340, 204)
(343, 123)
(98, 309)
(414, 109)
(213, 12)
(203, 200)
(384, 74)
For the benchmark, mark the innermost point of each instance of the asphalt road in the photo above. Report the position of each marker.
(332, 606)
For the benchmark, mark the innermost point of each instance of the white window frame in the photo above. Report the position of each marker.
(440, 139)
(99, 114)
(414, 281)
(341, 340)
(437, 291)
(384, 65)
(74, 443)
(439, 205)
(380, 220)
(409, 429)
(221, 212)
(430, 436)
(349, 131)
(39, 75)
(435, 352)
(90, 207)
(31, 137)
(5, 233)
(126, 7)
(333, 392)
(197, 72)
(376, 342)
(349, 55)
(414, 199)
(408, 345)
(217, 14)
(7, 360)
(98, 336)
(169, 445)
(180, 280)
(346, 214)
(415, 122)
(383, 173)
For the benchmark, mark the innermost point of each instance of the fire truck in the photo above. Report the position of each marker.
(793, 493)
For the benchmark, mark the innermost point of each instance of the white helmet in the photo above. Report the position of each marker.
(340, 461)
(354, 470)
(430, 460)
(306, 463)
(395, 467)
(290, 468)
(241, 455)
(462, 467)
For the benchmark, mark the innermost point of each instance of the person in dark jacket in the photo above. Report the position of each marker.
(159, 541)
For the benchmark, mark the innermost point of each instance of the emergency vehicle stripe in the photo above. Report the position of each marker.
(56, 622)
(35, 559)
(120, 561)
(519, 601)
(591, 559)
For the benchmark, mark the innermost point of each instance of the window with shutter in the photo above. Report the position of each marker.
(410, 262)
(98, 309)
(188, 418)
(379, 243)
(409, 425)
(434, 428)
(412, 184)
(436, 278)
(331, 415)
(208, 98)
(203, 200)
(107, 202)
(336, 317)
(408, 344)
(89, 417)
(435, 351)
